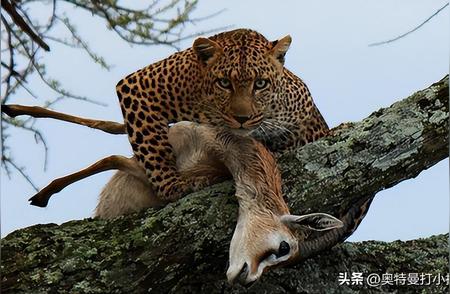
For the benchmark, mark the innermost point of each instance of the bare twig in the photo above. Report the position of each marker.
(411, 31)
(18, 20)
(7, 160)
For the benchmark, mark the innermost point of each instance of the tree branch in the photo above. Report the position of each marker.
(410, 31)
(17, 19)
(183, 247)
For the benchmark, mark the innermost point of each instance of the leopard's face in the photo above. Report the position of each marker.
(239, 89)
(240, 81)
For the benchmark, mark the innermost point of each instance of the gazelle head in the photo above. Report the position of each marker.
(263, 239)
(266, 234)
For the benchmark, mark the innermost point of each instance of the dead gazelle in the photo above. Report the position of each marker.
(266, 233)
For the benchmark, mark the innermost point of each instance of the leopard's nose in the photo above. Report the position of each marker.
(241, 119)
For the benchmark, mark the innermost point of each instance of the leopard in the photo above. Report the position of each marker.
(235, 80)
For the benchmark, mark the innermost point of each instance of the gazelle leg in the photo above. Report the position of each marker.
(111, 127)
(122, 163)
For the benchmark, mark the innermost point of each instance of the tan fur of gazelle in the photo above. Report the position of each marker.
(129, 192)
(125, 193)
(264, 221)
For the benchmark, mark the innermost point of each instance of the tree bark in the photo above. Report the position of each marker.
(183, 248)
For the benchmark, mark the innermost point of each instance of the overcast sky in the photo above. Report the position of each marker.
(348, 81)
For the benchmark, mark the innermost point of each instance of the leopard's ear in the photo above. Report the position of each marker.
(280, 47)
(206, 50)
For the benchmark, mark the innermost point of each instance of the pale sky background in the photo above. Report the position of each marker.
(348, 80)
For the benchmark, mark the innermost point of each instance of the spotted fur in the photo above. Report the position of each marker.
(235, 80)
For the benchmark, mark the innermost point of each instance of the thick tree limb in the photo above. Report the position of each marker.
(184, 247)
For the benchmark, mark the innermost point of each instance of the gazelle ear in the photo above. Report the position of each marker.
(314, 221)
(280, 47)
(206, 50)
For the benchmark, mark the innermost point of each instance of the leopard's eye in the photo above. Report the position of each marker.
(224, 83)
(261, 84)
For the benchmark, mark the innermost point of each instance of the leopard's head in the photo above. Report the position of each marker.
(242, 72)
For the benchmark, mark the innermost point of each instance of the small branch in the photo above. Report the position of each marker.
(19, 21)
(7, 160)
(80, 43)
(411, 31)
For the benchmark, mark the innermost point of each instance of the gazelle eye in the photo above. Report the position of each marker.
(283, 249)
(224, 83)
(261, 84)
